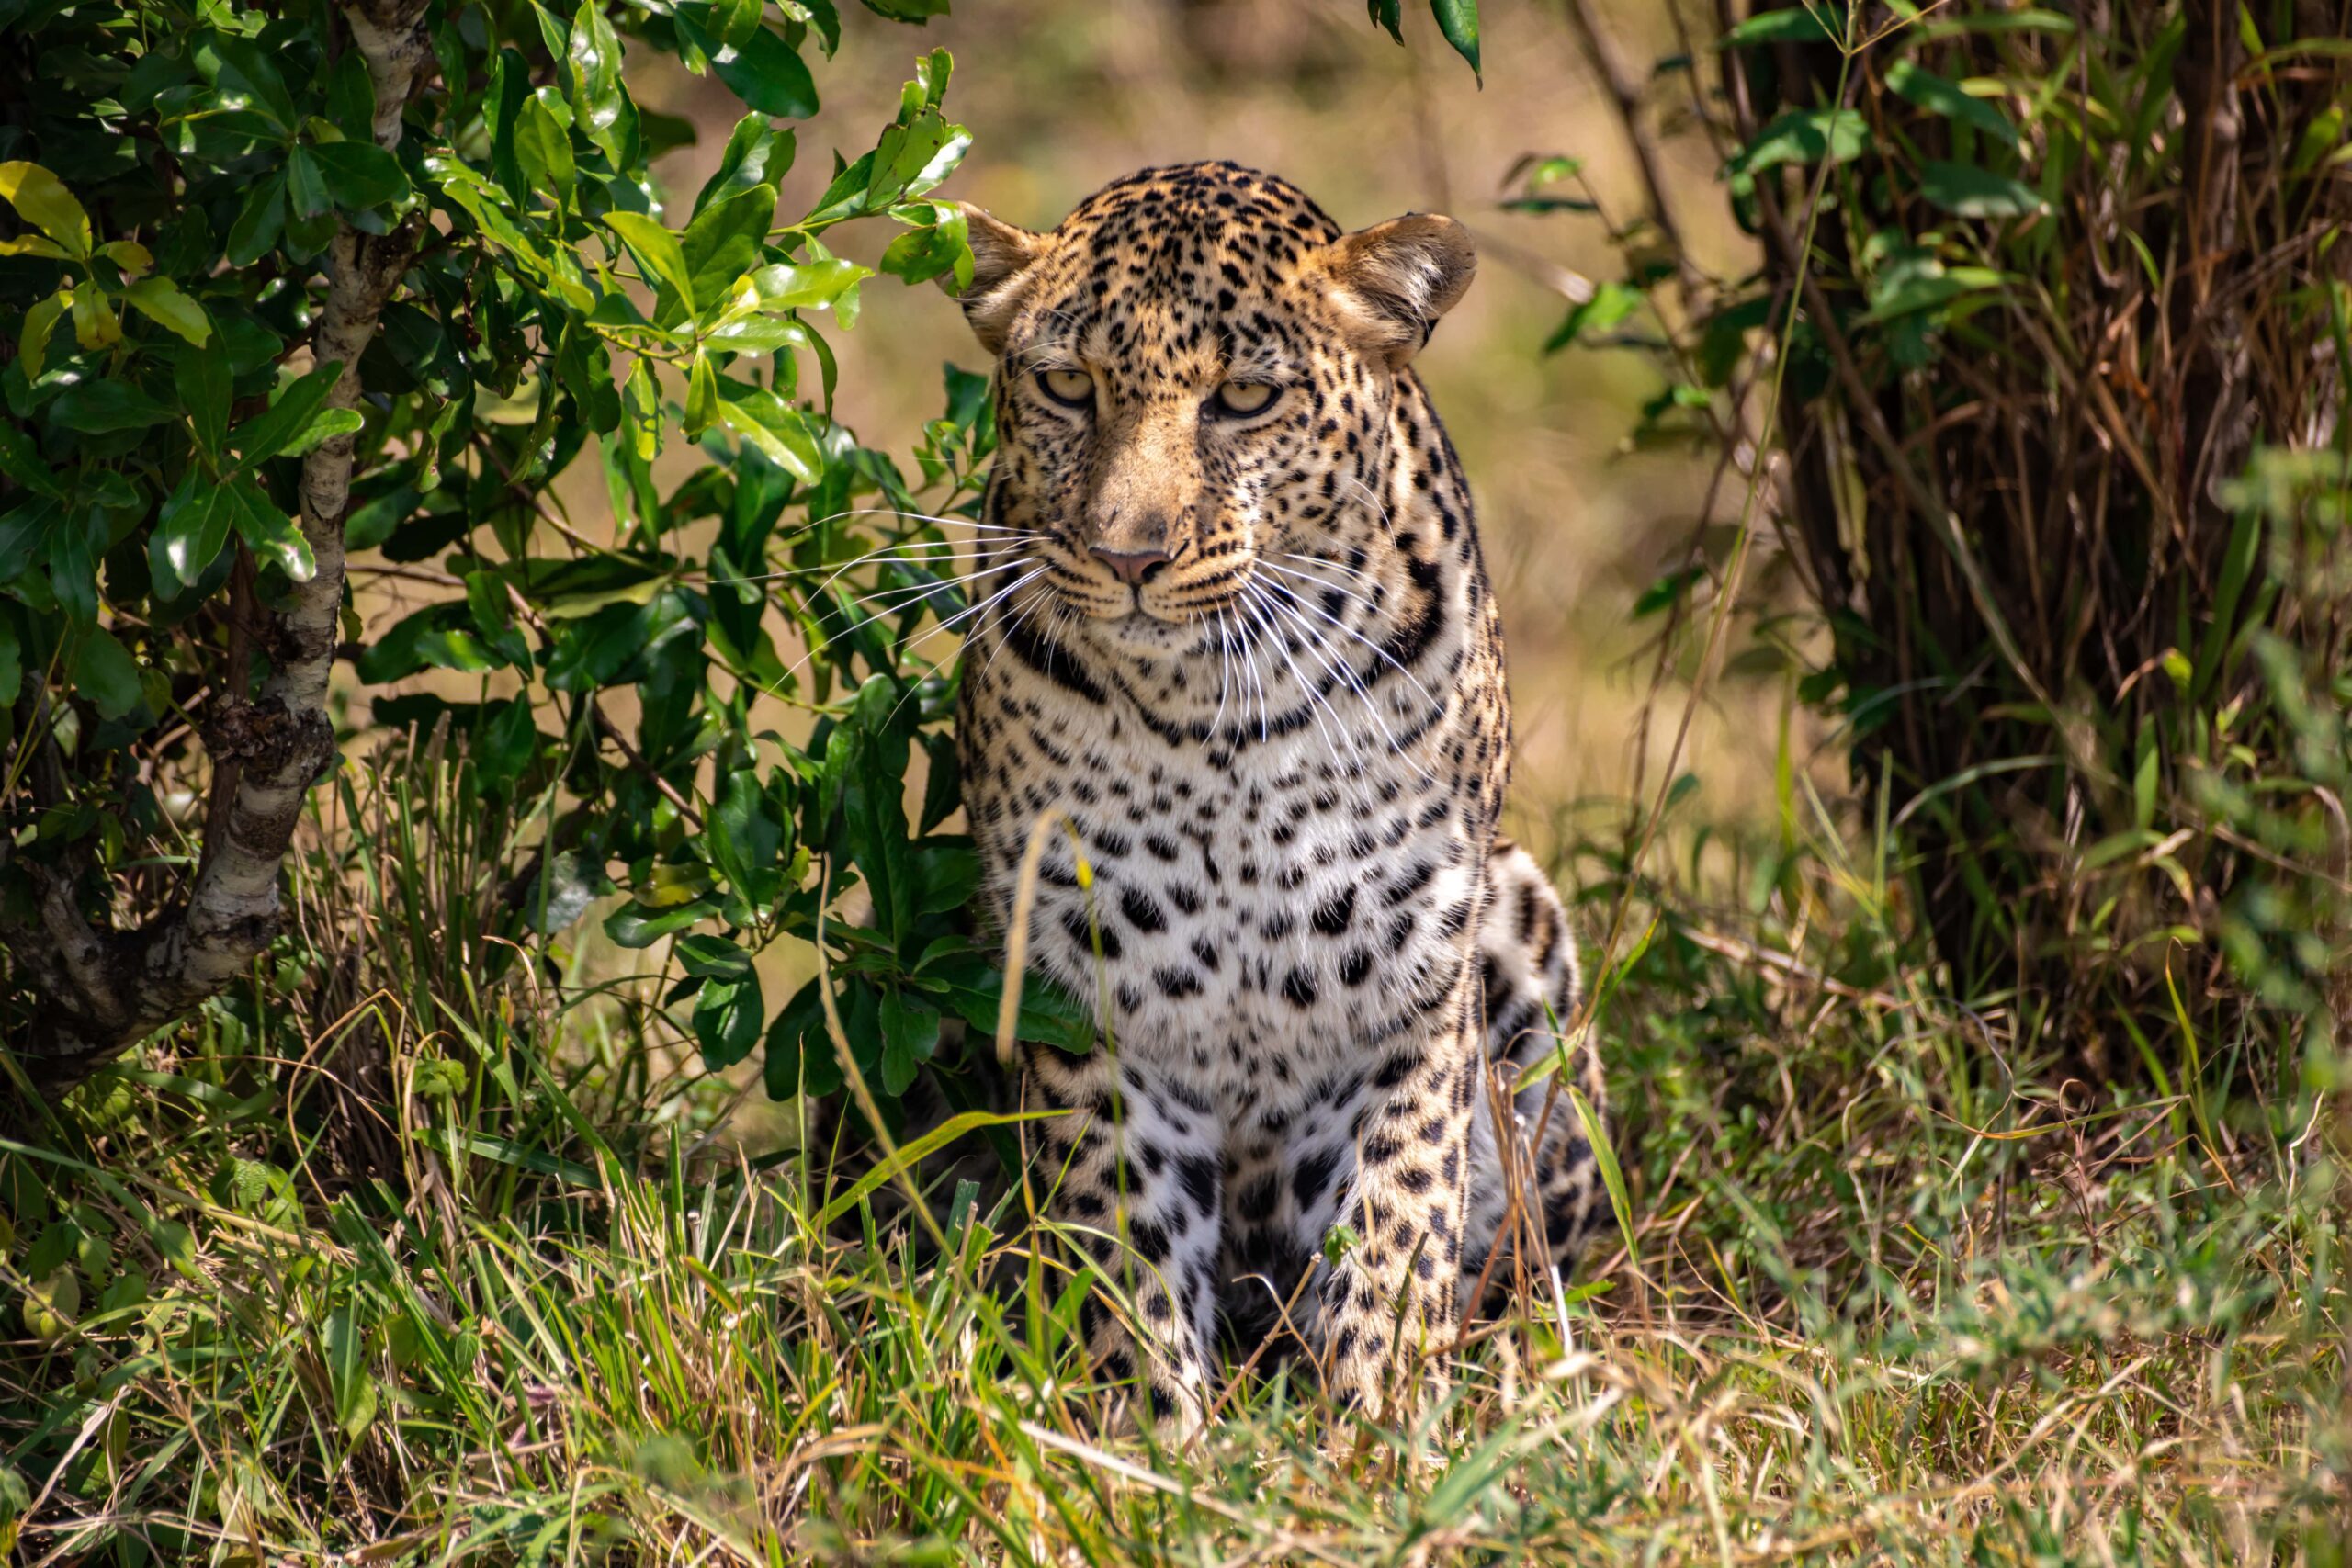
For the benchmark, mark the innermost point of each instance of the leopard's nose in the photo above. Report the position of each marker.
(1137, 567)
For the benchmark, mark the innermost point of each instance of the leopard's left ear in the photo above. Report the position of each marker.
(1001, 253)
(1395, 279)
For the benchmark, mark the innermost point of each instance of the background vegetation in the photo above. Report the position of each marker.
(1910, 446)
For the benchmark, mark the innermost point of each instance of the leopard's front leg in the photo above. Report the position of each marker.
(1134, 1175)
(1390, 1300)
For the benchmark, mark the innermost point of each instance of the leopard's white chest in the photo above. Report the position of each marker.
(1252, 918)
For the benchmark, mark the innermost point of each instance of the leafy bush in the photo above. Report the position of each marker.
(302, 295)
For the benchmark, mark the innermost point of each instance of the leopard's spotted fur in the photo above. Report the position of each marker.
(1253, 660)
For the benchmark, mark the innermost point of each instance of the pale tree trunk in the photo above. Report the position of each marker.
(109, 989)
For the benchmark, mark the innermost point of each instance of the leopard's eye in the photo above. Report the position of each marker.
(1071, 388)
(1243, 399)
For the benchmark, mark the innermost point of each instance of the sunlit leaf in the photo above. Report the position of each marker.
(269, 532)
(1971, 192)
(42, 200)
(161, 302)
(1458, 20)
(190, 533)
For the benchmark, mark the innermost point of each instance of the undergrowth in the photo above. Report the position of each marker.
(459, 1261)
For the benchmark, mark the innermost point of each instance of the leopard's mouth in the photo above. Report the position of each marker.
(1140, 630)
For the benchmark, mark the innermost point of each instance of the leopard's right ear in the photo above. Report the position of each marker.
(1001, 256)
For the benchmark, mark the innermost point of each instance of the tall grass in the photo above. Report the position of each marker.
(1890, 1295)
(2067, 477)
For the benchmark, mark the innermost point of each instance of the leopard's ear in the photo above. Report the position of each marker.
(1393, 281)
(1002, 255)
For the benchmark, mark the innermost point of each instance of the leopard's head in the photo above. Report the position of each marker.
(1196, 369)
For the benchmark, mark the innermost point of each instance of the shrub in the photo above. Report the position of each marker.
(298, 293)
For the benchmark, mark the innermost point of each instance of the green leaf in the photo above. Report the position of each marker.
(22, 461)
(12, 664)
(1811, 21)
(306, 185)
(789, 286)
(635, 926)
(95, 322)
(874, 816)
(797, 1049)
(504, 747)
(778, 431)
(1968, 191)
(1909, 290)
(129, 258)
(321, 424)
(1389, 14)
(73, 560)
(246, 70)
(599, 650)
(756, 154)
(1458, 20)
(746, 839)
(932, 250)
(279, 426)
(739, 333)
(1802, 136)
(764, 71)
(727, 1019)
(593, 61)
(440, 636)
(2024, 20)
(702, 395)
(1610, 305)
(33, 348)
(200, 374)
(734, 21)
(1667, 591)
(96, 408)
(724, 242)
(708, 957)
(641, 401)
(910, 1035)
(360, 174)
(174, 1241)
(161, 302)
(948, 872)
(351, 94)
(42, 200)
(493, 613)
(269, 532)
(1937, 95)
(543, 146)
(190, 533)
(656, 249)
(105, 672)
(258, 223)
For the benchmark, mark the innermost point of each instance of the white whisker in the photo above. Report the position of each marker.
(1381, 652)
(1343, 672)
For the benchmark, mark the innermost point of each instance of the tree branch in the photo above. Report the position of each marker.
(113, 988)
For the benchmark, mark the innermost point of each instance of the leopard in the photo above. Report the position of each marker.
(1235, 739)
